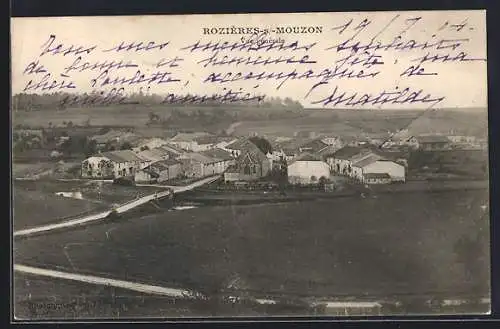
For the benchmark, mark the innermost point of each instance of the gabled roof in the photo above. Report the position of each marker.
(292, 144)
(327, 151)
(306, 157)
(188, 137)
(365, 161)
(204, 140)
(170, 148)
(197, 157)
(252, 152)
(218, 154)
(149, 155)
(348, 152)
(121, 156)
(239, 144)
(163, 164)
(314, 146)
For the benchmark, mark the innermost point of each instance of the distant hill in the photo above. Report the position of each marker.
(473, 123)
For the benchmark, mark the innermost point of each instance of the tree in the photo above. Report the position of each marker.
(262, 143)
(90, 147)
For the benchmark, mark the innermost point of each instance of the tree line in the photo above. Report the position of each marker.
(59, 101)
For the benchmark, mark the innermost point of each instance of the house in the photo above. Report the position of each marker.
(116, 138)
(205, 163)
(385, 171)
(204, 143)
(150, 143)
(430, 142)
(340, 162)
(188, 141)
(314, 146)
(172, 151)
(307, 169)
(153, 155)
(334, 141)
(355, 162)
(251, 164)
(235, 148)
(159, 171)
(114, 164)
(289, 149)
(222, 158)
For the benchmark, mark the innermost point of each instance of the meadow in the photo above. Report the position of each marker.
(401, 246)
(36, 202)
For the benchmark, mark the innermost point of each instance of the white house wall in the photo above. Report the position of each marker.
(302, 171)
(396, 171)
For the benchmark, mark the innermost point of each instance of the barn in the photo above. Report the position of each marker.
(307, 169)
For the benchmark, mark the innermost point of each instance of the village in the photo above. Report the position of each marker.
(305, 159)
(97, 170)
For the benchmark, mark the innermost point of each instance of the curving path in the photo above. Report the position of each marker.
(120, 209)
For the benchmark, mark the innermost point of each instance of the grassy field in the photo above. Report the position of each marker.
(467, 163)
(46, 298)
(35, 202)
(32, 207)
(401, 245)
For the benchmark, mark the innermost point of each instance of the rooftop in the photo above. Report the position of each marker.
(367, 160)
(197, 157)
(253, 152)
(218, 154)
(188, 137)
(239, 144)
(163, 164)
(121, 156)
(314, 146)
(348, 152)
(171, 149)
(306, 157)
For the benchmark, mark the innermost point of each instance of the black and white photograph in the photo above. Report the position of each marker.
(328, 164)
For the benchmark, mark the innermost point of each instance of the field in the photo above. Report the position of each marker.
(401, 245)
(465, 163)
(267, 121)
(36, 202)
(46, 298)
(32, 207)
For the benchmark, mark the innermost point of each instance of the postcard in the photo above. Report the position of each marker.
(250, 166)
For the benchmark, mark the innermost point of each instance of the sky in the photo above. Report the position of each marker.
(461, 84)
